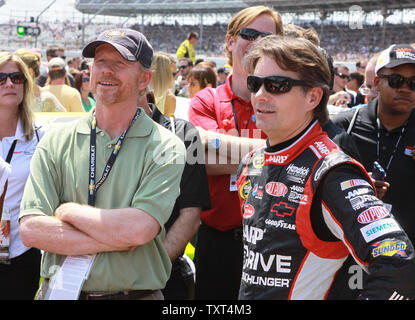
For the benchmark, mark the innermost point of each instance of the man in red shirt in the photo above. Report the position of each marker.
(227, 126)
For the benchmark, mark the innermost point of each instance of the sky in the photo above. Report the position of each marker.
(27, 8)
(65, 9)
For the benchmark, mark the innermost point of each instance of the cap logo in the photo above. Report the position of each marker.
(405, 55)
(114, 34)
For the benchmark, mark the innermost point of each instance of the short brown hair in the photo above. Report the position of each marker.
(205, 75)
(298, 55)
(244, 17)
(294, 31)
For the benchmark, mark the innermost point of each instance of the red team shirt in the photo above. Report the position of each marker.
(212, 110)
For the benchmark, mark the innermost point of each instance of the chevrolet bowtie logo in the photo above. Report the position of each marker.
(91, 187)
(117, 147)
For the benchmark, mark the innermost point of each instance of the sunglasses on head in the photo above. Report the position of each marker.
(343, 76)
(272, 84)
(251, 34)
(396, 81)
(15, 77)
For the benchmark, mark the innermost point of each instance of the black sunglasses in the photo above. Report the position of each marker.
(251, 34)
(15, 77)
(183, 67)
(343, 76)
(396, 81)
(273, 84)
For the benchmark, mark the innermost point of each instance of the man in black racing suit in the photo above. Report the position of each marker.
(306, 205)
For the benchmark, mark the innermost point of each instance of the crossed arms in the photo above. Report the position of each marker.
(80, 229)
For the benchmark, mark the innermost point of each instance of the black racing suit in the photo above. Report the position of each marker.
(306, 207)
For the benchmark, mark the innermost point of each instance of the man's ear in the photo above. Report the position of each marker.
(313, 97)
(144, 80)
(376, 80)
(230, 41)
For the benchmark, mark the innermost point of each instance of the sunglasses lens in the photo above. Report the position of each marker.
(17, 77)
(395, 81)
(411, 84)
(254, 83)
(277, 86)
(3, 78)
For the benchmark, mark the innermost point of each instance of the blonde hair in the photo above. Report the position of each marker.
(245, 17)
(24, 112)
(162, 79)
(31, 58)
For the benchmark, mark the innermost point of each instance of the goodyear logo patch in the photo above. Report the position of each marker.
(389, 248)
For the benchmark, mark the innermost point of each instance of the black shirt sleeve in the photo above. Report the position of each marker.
(194, 188)
(351, 212)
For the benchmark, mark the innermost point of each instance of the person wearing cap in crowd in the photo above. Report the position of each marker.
(222, 75)
(59, 86)
(384, 131)
(226, 122)
(53, 51)
(104, 186)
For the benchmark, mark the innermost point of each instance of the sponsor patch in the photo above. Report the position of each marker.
(245, 189)
(389, 248)
(258, 161)
(372, 214)
(364, 201)
(408, 151)
(275, 159)
(282, 209)
(248, 210)
(353, 183)
(379, 228)
(276, 189)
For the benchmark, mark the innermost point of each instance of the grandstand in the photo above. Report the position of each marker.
(127, 7)
(167, 22)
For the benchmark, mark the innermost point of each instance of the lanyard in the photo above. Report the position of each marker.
(236, 119)
(11, 150)
(394, 149)
(93, 188)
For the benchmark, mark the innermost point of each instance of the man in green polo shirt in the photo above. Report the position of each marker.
(104, 186)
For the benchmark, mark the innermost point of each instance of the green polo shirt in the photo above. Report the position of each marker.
(146, 175)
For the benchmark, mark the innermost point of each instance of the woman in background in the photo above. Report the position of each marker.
(164, 65)
(83, 85)
(199, 78)
(19, 265)
(44, 101)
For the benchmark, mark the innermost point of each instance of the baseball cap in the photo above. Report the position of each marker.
(56, 64)
(223, 70)
(395, 55)
(131, 44)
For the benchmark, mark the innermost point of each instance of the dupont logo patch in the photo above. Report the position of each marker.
(372, 214)
(276, 189)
